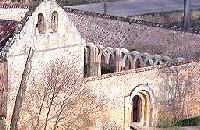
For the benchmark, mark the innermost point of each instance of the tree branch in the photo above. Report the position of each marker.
(21, 91)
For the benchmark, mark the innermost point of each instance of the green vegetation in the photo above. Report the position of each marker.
(167, 123)
(188, 122)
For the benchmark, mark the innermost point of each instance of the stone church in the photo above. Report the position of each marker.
(148, 74)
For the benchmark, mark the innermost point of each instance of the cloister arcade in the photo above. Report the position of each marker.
(101, 60)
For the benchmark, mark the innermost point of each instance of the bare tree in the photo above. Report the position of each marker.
(61, 101)
(21, 91)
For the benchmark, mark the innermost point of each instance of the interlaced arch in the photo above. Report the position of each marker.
(147, 106)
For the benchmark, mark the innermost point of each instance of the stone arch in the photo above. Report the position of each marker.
(41, 23)
(147, 59)
(165, 59)
(129, 64)
(156, 59)
(108, 53)
(138, 63)
(108, 60)
(54, 21)
(133, 60)
(148, 105)
(93, 54)
(123, 52)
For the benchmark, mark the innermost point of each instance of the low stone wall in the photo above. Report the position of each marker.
(167, 17)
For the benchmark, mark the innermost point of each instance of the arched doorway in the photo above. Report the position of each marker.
(136, 108)
(141, 108)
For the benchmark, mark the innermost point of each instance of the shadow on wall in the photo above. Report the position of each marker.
(132, 128)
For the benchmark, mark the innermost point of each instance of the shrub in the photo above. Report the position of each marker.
(195, 121)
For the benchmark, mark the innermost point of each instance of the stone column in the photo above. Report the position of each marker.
(128, 112)
(118, 60)
(95, 62)
(95, 69)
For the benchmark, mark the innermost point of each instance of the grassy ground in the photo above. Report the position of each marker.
(186, 124)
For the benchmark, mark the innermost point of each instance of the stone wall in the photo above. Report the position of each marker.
(119, 32)
(167, 17)
(67, 44)
(161, 81)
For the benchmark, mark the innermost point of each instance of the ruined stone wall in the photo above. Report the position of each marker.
(65, 45)
(115, 32)
(161, 81)
(12, 11)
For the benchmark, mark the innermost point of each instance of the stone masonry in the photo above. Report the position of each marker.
(156, 82)
(65, 44)
(149, 75)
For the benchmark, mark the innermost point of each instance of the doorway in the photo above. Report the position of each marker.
(136, 108)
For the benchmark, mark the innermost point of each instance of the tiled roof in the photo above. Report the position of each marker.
(14, 5)
(7, 28)
(125, 32)
(10, 29)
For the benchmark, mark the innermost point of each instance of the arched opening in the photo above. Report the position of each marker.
(107, 67)
(136, 108)
(141, 108)
(137, 64)
(129, 63)
(54, 21)
(41, 24)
